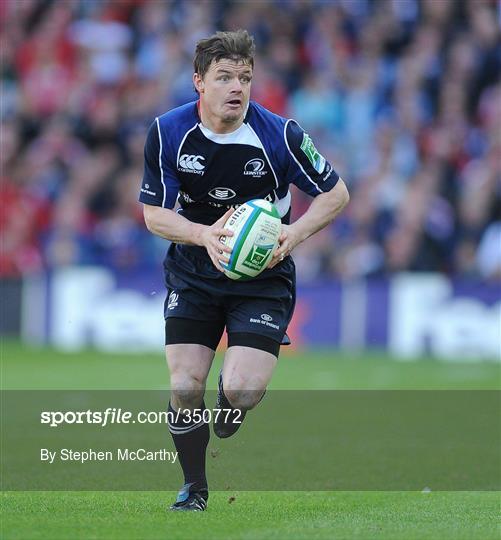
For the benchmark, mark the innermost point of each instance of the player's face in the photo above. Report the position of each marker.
(224, 93)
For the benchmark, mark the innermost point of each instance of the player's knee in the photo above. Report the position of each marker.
(243, 399)
(187, 391)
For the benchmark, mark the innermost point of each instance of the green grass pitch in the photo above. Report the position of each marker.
(247, 515)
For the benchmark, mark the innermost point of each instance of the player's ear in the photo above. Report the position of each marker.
(198, 82)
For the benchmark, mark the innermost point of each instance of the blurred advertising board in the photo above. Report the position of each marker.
(10, 306)
(410, 315)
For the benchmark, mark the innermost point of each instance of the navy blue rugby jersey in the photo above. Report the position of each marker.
(209, 172)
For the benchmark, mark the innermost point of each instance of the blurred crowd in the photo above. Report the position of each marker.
(402, 96)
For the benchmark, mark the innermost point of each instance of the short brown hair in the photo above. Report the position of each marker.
(237, 46)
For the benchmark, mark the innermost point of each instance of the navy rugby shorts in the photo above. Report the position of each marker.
(253, 311)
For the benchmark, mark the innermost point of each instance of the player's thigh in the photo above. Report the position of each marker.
(189, 365)
(247, 368)
(189, 361)
(190, 348)
(256, 327)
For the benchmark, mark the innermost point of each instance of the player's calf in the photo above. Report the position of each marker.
(190, 434)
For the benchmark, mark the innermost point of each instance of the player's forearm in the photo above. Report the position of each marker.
(323, 209)
(170, 225)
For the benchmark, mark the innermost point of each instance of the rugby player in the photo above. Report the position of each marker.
(212, 155)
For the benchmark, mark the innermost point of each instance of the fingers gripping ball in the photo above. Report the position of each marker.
(256, 227)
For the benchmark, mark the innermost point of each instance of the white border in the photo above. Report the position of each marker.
(160, 162)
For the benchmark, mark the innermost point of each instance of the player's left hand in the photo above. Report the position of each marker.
(211, 240)
(287, 241)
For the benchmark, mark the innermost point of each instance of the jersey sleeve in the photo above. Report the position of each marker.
(308, 169)
(160, 184)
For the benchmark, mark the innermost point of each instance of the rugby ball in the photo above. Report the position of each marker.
(256, 227)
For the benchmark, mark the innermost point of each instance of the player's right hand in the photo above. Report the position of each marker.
(217, 251)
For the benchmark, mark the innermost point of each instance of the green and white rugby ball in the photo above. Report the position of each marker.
(256, 227)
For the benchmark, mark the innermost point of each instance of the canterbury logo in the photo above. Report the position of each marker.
(191, 163)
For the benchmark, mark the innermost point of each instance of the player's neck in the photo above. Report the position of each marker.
(215, 124)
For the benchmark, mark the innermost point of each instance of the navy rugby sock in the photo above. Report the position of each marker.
(190, 439)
